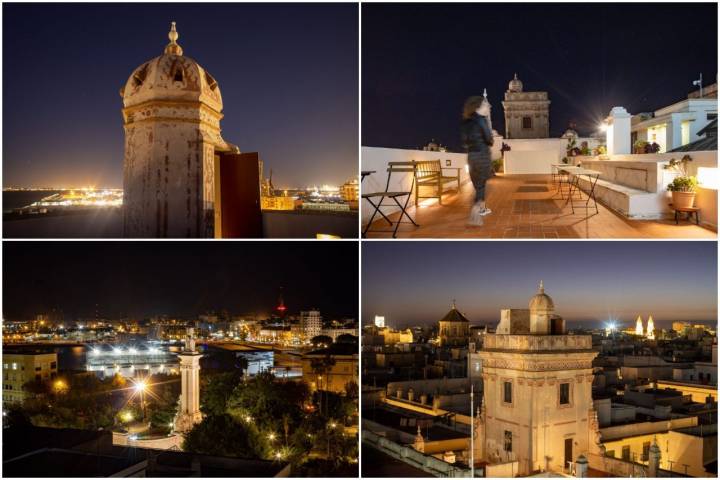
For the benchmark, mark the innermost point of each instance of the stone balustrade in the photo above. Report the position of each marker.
(538, 342)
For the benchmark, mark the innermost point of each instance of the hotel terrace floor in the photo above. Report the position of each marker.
(527, 206)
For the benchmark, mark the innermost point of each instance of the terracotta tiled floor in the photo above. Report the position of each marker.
(527, 206)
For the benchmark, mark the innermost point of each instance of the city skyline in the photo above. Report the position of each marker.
(144, 279)
(288, 92)
(414, 84)
(590, 282)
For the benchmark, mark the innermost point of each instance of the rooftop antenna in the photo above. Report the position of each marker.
(698, 83)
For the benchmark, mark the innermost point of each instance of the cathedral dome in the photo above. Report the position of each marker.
(171, 77)
(541, 301)
(515, 85)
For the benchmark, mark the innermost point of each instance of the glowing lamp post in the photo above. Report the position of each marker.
(140, 388)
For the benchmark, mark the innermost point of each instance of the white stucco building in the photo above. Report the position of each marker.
(674, 125)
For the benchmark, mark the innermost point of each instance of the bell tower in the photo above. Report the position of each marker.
(537, 398)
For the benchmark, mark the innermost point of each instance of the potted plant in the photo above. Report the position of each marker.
(684, 185)
(639, 146)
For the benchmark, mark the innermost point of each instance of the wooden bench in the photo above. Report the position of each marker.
(429, 173)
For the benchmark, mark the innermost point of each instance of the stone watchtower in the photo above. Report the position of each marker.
(537, 401)
(171, 112)
(527, 114)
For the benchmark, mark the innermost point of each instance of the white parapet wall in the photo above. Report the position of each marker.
(635, 185)
(535, 156)
(376, 159)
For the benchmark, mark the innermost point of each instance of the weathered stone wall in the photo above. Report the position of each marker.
(165, 172)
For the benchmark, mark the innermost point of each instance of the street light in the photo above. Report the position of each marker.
(140, 388)
(60, 386)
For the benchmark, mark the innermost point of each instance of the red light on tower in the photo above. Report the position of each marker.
(281, 304)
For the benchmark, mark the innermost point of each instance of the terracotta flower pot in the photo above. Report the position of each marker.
(683, 199)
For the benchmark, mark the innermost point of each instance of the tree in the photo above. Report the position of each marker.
(321, 341)
(215, 394)
(347, 338)
(221, 435)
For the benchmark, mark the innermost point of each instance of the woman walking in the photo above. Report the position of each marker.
(477, 137)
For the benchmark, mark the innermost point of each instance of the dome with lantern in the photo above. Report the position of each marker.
(541, 301)
(171, 77)
(515, 85)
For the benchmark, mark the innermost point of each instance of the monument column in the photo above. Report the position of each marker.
(189, 413)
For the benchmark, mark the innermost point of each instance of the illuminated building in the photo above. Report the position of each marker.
(20, 368)
(350, 190)
(331, 368)
(189, 410)
(639, 327)
(379, 321)
(130, 360)
(311, 323)
(650, 328)
(537, 401)
(526, 113)
(279, 203)
(453, 329)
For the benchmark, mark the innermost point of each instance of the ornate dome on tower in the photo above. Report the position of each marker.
(515, 84)
(171, 77)
(541, 301)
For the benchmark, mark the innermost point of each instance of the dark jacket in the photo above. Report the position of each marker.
(476, 134)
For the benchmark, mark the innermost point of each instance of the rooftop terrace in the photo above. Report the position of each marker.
(527, 206)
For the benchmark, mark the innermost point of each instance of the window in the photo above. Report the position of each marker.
(37, 369)
(626, 452)
(646, 451)
(37, 378)
(711, 116)
(53, 365)
(14, 366)
(610, 453)
(564, 394)
(507, 392)
(507, 444)
(178, 77)
(526, 123)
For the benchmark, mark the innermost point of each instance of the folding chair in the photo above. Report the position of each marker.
(393, 167)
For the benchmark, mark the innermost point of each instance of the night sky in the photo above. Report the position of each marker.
(142, 279)
(288, 76)
(414, 283)
(420, 62)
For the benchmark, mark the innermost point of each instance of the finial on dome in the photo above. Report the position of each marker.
(485, 93)
(173, 48)
(453, 305)
(515, 78)
(541, 288)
